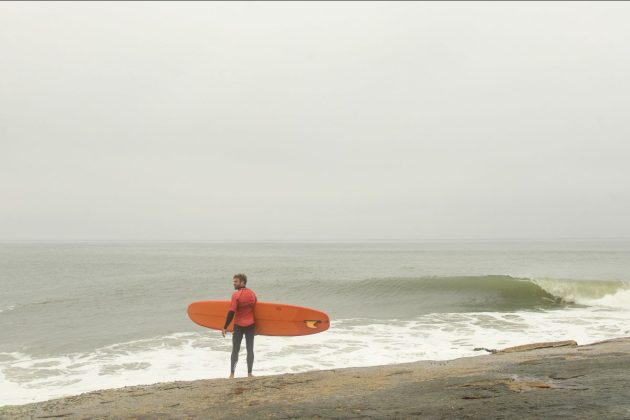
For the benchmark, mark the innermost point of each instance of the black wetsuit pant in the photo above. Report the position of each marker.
(237, 338)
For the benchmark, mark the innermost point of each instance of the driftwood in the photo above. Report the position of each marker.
(532, 346)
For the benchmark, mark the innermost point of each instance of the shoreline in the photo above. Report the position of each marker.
(572, 382)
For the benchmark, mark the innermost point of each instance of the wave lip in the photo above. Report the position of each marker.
(614, 294)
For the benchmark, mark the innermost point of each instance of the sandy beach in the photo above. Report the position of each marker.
(589, 381)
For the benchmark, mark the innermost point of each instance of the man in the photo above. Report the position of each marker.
(242, 305)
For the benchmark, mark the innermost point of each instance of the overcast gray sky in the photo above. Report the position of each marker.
(314, 121)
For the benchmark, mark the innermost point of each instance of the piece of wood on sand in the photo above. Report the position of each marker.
(532, 346)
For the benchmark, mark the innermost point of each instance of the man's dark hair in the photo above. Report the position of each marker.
(242, 277)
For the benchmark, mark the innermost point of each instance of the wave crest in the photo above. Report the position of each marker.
(604, 293)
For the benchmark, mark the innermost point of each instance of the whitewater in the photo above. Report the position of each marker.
(82, 317)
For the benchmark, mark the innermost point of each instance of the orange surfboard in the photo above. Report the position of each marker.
(271, 318)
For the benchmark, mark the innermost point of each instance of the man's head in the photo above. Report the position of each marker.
(239, 280)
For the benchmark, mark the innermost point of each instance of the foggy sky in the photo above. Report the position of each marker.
(314, 121)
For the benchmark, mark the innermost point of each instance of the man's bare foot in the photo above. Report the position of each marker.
(251, 375)
(231, 376)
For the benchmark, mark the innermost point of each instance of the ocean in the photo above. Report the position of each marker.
(77, 317)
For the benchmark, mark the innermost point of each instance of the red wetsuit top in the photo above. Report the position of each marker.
(243, 301)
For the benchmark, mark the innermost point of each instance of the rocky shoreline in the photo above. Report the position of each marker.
(590, 381)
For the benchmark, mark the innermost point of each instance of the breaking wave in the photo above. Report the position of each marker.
(416, 295)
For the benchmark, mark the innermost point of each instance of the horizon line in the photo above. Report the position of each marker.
(344, 240)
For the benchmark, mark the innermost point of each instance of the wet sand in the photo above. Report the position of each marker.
(591, 381)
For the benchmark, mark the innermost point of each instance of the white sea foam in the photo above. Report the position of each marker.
(350, 342)
(607, 294)
(7, 309)
(619, 299)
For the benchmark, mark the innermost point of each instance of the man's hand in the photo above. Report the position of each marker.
(223, 332)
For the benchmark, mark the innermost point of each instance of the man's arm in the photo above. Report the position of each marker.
(230, 315)
(229, 318)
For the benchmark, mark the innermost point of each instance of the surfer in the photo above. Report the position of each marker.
(242, 311)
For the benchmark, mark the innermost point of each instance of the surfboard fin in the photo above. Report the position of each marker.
(312, 324)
